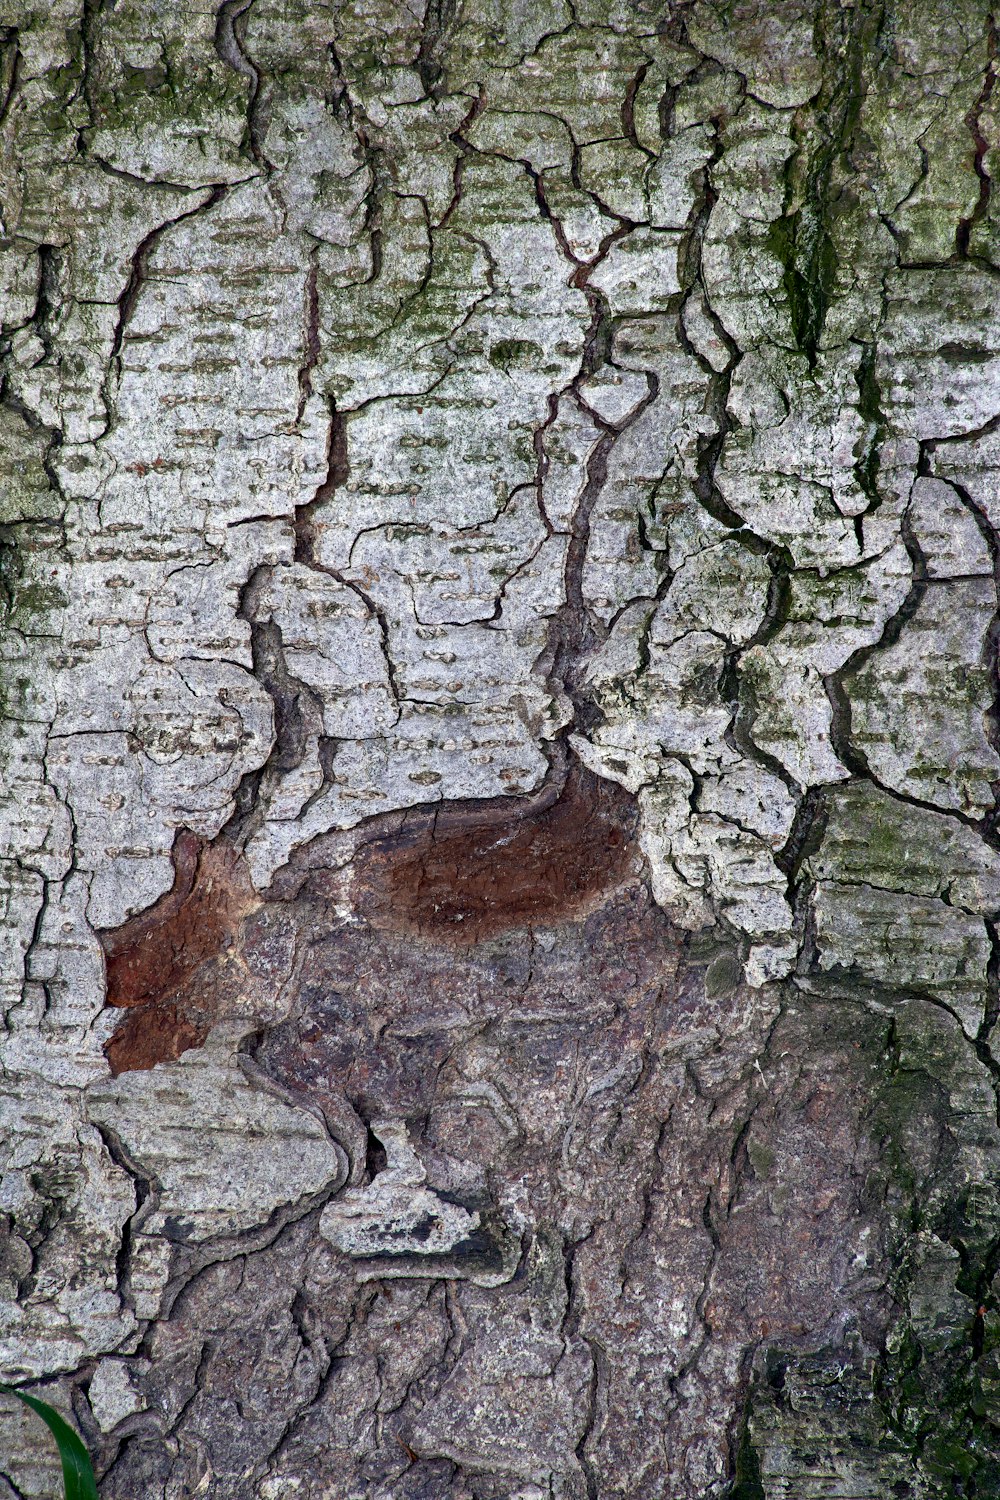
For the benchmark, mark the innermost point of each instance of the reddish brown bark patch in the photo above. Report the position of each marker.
(152, 1034)
(471, 873)
(154, 959)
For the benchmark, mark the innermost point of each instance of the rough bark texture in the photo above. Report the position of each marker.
(499, 524)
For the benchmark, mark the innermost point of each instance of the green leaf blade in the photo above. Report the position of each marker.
(78, 1473)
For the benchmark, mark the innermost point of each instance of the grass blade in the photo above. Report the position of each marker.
(78, 1475)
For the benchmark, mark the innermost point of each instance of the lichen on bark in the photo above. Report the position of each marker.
(498, 849)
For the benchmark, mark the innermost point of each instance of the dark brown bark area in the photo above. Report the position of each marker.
(696, 1199)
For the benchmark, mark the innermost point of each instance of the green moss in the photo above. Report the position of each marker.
(508, 354)
(11, 569)
(803, 239)
(761, 1158)
(747, 1485)
(143, 80)
(923, 1417)
(30, 604)
(932, 1387)
(802, 243)
(869, 449)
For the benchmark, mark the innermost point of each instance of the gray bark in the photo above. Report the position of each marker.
(498, 565)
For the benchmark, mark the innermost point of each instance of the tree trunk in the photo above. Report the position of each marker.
(499, 553)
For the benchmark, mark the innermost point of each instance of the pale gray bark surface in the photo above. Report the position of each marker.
(498, 546)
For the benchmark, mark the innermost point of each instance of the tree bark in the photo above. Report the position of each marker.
(499, 556)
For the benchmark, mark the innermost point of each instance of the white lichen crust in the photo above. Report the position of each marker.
(401, 402)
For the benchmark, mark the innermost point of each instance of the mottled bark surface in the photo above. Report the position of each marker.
(499, 516)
